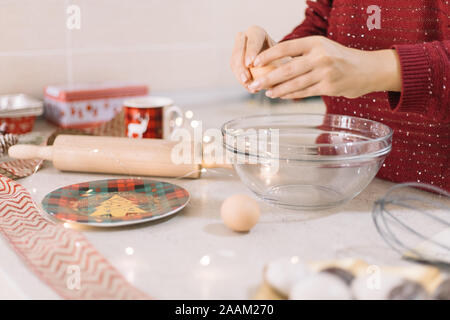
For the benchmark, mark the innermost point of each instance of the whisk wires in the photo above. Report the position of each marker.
(384, 219)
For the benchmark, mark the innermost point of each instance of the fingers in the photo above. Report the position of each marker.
(294, 85)
(237, 60)
(292, 48)
(285, 72)
(255, 42)
(314, 90)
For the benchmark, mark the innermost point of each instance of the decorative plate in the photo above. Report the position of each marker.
(115, 202)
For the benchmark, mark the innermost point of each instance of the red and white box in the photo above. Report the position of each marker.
(18, 113)
(87, 105)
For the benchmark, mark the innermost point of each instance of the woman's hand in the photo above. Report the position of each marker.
(247, 46)
(321, 66)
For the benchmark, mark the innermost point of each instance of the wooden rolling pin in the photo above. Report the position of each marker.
(146, 157)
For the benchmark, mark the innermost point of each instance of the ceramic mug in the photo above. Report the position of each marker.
(151, 117)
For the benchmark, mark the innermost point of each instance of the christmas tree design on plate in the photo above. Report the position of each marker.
(117, 207)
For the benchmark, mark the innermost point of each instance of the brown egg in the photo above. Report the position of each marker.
(240, 212)
(259, 72)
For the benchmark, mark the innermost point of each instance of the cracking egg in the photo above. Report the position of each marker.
(259, 72)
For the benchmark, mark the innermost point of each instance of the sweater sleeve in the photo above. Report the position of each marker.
(316, 20)
(425, 70)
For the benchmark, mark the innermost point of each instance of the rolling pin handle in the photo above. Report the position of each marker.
(26, 151)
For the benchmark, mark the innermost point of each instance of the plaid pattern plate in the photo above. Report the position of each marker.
(115, 202)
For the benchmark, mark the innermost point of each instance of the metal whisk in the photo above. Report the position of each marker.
(416, 226)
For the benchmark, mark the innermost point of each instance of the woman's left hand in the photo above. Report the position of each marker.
(321, 66)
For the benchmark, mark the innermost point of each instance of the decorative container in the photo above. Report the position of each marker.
(88, 105)
(18, 113)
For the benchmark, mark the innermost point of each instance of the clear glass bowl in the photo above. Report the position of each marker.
(306, 161)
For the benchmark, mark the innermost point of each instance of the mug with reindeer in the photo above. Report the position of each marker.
(151, 117)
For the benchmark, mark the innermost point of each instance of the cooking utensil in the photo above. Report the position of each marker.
(147, 157)
(417, 227)
(306, 161)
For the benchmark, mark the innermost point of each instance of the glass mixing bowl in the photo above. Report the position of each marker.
(306, 161)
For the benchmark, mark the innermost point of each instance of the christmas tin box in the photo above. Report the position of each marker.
(18, 113)
(88, 105)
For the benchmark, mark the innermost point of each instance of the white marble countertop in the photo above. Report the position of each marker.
(167, 254)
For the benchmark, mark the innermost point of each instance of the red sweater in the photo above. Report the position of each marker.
(420, 115)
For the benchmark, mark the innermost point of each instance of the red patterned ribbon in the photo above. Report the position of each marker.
(16, 169)
(61, 257)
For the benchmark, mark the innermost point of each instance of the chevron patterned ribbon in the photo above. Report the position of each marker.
(60, 257)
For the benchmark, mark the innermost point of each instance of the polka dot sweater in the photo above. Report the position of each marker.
(420, 114)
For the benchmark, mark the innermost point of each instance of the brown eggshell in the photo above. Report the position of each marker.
(258, 72)
(240, 212)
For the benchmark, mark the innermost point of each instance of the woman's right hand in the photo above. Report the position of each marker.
(247, 46)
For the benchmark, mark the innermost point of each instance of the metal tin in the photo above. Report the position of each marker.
(19, 105)
(80, 106)
(18, 113)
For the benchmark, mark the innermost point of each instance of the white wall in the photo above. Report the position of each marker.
(168, 44)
